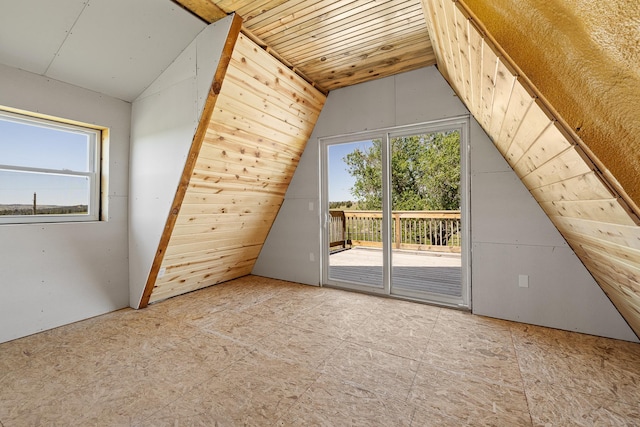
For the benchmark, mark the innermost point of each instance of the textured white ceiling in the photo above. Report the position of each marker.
(115, 47)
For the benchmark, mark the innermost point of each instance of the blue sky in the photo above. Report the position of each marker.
(340, 182)
(40, 147)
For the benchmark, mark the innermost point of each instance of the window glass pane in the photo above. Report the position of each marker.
(425, 171)
(54, 194)
(35, 146)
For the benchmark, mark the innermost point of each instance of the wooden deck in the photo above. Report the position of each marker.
(415, 272)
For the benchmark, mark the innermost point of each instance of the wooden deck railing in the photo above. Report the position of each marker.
(416, 230)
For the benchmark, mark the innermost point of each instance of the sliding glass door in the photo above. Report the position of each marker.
(354, 214)
(426, 261)
(394, 208)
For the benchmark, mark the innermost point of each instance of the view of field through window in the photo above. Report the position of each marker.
(43, 168)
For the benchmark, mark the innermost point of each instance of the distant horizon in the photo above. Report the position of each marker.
(40, 205)
(40, 147)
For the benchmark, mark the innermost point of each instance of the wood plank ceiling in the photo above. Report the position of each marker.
(333, 43)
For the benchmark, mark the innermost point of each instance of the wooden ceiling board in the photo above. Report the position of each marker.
(334, 44)
(366, 51)
(207, 10)
(378, 69)
(344, 38)
(336, 23)
(550, 160)
(360, 41)
(302, 17)
(550, 143)
(519, 104)
(588, 186)
(250, 9)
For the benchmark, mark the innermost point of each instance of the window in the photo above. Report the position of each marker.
(49, 170)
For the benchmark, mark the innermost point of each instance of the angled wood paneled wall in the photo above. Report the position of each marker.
(250, 146)
(551, 161)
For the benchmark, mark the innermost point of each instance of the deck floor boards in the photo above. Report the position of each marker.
(412, 271)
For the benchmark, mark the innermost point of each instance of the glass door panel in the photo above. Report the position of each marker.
(425, 199)
(354, 218)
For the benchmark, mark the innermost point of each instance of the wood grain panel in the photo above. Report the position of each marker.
(448, 22)
(588, 186)
(228, 137)
(488, 81)
(519, 103)
(550, 160)
(207, 10)
(370, 52)
(363, 37)
(475, 66)
(177, 261)
(437, 34)
(248, 9)
(464, 40)
(358, 40)
(502, 92)
(238, 220)
(550, 143)
(263, 116)
(533, 124)
(566, 165)
(251, 60)
(196, 144)
(332, 18)
(622, 235)
(192, 283)
(605, 211)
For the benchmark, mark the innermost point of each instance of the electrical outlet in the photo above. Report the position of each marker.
(523, 281)
(312, 257)
(162, 271)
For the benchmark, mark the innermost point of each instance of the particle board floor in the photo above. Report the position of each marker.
(264, 352)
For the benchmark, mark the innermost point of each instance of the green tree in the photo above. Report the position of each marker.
(425, 172)
(366, 166)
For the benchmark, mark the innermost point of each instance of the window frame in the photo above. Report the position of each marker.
(94, 175)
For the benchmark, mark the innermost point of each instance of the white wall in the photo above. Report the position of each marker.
(164, 119)
(54, 274)
(510, 234)
(292, 249)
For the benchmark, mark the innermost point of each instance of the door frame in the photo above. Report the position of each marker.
(460, 123)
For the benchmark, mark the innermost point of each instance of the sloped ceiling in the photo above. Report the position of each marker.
(258, 118)
(114, 47)
(557, 167)
(584, 57)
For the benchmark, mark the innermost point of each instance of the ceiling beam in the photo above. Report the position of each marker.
(206, 10)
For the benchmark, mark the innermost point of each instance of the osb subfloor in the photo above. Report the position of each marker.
(263, 352)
